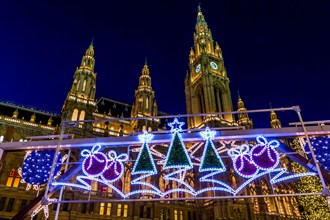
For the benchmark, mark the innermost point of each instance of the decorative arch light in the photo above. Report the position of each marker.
(250, 162)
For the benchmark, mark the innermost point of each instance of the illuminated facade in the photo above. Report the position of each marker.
(207, 91)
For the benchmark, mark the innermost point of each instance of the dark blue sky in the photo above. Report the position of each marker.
(274, 51)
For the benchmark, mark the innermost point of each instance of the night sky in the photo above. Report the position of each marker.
(274, 51)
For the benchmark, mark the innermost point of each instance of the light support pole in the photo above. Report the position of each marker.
(62, 188)
(325, 191)
(44, 200)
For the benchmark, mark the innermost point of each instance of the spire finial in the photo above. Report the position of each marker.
(92, 42)
(270, 105)
(199, 7)
(145, 61)
(238, 94)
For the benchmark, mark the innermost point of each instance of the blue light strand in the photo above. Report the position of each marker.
(181, 172)
(321, 147)
(276, 178)
(36, 167)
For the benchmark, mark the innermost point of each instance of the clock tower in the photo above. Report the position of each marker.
(206, 84)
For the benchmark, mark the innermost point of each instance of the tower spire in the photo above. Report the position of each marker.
(243, 118)
(212, 94)
(145, 102)
(145, 61)
(274, 121)
(80, 102)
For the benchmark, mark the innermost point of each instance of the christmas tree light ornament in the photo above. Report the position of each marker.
(210, 160)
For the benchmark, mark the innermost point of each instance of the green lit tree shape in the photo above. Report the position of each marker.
(145, 162)
(177, 155)
(212, 160)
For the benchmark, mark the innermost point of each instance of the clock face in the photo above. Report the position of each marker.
(214, 65)
(198, 68)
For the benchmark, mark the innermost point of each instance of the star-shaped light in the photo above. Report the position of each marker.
(176, 125)
(208, 134)
(145, 137)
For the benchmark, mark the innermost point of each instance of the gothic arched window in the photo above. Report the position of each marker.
(74, 115)
(13, 178)
(84, 85)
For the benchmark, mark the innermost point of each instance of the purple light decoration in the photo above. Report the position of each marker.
(95, 162)
(242, 162)
(115, 167)
(264, 154)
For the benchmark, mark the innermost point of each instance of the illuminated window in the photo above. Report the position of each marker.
(181, 215)
(12, 178)
(78, 84)
(109, 209)
(175, 214)
(74, 115)
(81, 117)
(9, 181)
(17, 181)
(119, 210)
(84, 85)
(102, 208)
(1, 138)
(125, 210)
(97, 127)
(147, 103)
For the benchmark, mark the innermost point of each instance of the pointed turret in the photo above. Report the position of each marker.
(15, 114)
(203, 37)
(80, 102)
(50, 121)
(145, 102)
(274, 121)
(243, 118)
(88, 59)
(206, 84)
(85, 78)
(33, 117)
